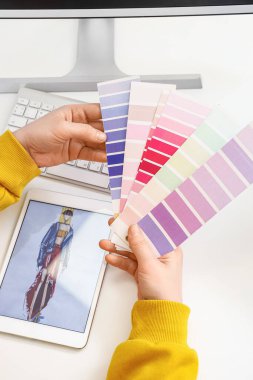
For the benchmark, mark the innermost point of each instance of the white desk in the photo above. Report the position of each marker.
(218, 263)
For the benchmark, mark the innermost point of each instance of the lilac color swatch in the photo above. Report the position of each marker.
(157, 237)
(182, 211)
(213, 189)
(169, 224)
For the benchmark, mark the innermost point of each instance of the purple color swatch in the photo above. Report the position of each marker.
(169, 224)
(196, 199)
(114, 101)
(155, 235)
(211, 187)
(182, 211)
(240, 159)
(226, 174)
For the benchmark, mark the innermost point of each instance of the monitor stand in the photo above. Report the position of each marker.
(94, 63)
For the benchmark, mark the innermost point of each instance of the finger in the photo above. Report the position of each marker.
(93, 111)
(75, 148)
(139, 244)
(95, 145)
(122, 263)
(175, 256)
(84, 132)
(89, 154)
(81, 113)
(97, 125)
(108, 246)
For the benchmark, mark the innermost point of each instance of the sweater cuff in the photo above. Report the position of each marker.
(160, 321)
(17, 166)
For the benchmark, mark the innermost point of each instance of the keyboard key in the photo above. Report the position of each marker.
(71, 163)
(17, 121)
(35, 104)
(77, 174)
(23, 101)
(82, 164)
(95, 166)
(19, 110)
(47, 107)
(41, 113)
(31, 112)
(104, 169)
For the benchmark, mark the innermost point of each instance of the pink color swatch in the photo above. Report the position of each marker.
(144, 99)
(180, 118)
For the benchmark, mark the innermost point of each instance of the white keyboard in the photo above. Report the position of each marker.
(31, 105)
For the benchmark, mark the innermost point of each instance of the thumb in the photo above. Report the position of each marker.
(138, 244)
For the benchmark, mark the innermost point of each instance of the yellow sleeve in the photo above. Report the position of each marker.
(17, 168)
(157, 346)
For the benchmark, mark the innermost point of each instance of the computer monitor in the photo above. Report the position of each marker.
(95, 57)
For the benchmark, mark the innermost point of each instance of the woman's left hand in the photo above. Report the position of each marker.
(68, 133)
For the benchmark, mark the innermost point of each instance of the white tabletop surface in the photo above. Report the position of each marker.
(218, 259)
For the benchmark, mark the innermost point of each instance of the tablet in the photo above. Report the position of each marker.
(53, 269)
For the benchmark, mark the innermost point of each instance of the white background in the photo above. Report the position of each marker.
(218, 263)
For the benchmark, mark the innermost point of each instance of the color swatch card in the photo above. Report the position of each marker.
(180, 117)
(161, 104)
(144, 99)
(114, 101)
(214, 185)
(215, 131)
(181, 163)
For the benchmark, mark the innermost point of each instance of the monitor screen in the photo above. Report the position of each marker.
(109, 4)
(115, 8)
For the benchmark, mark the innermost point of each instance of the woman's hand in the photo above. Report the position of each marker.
(157, 278)
(68, 133)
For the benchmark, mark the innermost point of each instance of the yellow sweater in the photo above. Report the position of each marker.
(157, 346)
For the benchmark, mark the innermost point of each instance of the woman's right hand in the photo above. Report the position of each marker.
(157, 278)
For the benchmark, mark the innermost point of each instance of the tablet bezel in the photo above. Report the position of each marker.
(42, 332)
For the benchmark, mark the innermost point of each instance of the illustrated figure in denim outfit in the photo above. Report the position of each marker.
(52, 260)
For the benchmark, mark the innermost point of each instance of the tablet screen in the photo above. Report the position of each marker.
(54, 267)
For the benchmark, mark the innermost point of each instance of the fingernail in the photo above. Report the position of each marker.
(101, 136)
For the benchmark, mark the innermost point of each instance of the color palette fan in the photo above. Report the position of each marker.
(173, 162)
